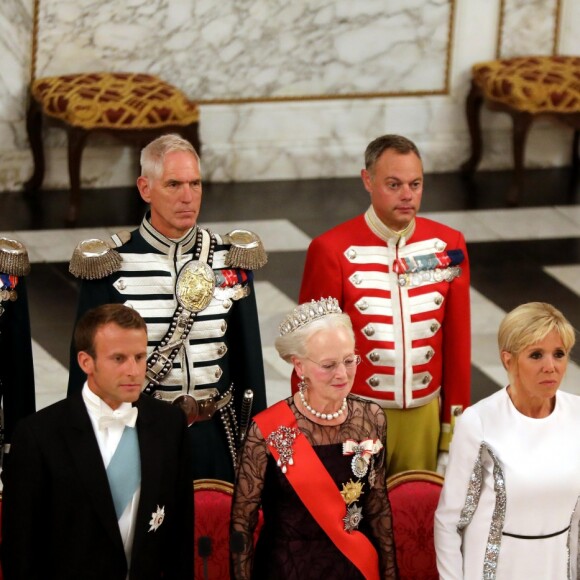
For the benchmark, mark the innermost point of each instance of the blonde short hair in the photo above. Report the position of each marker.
(530, 323)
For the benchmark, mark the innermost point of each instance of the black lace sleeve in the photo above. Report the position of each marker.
(378, 506)
(246, 502)
(287, 517)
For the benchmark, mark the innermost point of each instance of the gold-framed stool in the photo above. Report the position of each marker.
(132, 107)
(526, 88)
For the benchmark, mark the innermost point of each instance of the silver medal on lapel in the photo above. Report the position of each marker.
(353, 518)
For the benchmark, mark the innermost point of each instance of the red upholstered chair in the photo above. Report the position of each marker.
(414, 496)
(212, 501)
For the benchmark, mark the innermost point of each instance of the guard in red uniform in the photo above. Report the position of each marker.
(404, 281)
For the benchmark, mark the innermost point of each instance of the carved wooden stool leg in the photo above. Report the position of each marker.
(191, 133)
(472, 110)
(34, 130)
(76, 143)
(575, 166)
(575, 153)
(521, 127)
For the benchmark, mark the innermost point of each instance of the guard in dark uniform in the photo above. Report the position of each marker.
(195, 290)
(16, 368)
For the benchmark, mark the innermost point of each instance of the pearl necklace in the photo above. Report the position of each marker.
(318, 414)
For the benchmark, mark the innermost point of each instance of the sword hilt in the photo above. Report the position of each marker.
(246, 411)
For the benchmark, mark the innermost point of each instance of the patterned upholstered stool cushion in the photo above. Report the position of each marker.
(114, 101)
(538, 84)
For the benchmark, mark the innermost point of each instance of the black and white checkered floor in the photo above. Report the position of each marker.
(518, 254)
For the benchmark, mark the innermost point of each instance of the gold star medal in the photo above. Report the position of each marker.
(351, 491)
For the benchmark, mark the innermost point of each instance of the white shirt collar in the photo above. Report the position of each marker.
(96, 406)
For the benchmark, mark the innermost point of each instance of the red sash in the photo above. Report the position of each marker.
(318, 492)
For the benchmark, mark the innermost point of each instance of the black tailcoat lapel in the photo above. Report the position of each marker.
(152, 461)
(89, 462)
(59, 522)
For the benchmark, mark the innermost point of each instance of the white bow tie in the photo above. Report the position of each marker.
(126, 417)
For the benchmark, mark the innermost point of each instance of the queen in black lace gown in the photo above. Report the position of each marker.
(348, 437)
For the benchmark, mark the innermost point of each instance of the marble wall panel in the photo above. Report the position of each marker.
(569, 38)
(15, 47)
(528, 27)
(254, 49)
(93, 35)
(263, 140)
(15, 34)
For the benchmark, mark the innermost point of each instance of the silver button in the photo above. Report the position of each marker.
(218, 373)
(426, 380)
(222, 349)
(438, 300)
(356, 279)
(375, 356)
(351, 254)
(362, 304)
(439, 245)
(369, 330)
(121, 285)
(434, 327)
(429, 354)
(374, 382)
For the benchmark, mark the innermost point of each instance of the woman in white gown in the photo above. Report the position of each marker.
(508, 509)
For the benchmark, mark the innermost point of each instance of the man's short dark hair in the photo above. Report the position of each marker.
(95, 318)
(397, 143)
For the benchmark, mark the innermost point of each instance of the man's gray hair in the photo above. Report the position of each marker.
(152, 155)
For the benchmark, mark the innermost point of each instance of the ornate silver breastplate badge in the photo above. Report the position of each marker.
(195, 286)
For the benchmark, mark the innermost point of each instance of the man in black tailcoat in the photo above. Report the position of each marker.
(99, 485)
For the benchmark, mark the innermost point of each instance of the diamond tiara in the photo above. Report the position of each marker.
(308, 312)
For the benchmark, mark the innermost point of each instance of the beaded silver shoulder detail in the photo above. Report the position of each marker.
(473, 493)
(498, 517)
(573, 525)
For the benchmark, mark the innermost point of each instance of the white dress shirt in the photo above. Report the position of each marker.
(108, 439)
